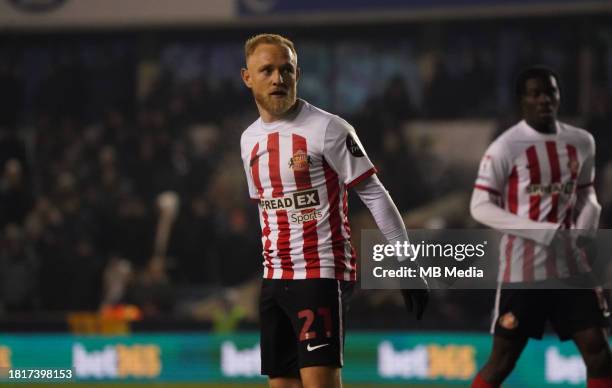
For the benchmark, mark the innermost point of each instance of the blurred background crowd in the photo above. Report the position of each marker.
(105, 135)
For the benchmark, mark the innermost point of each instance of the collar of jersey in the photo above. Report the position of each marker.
(536, 133)
(276, 124)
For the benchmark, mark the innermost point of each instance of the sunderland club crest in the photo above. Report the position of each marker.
(508, 321)
(300, 161)
(573, 165)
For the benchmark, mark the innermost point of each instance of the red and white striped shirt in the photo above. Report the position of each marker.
(299, 170)
(537, 178)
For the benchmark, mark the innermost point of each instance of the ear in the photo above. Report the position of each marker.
(246, 77)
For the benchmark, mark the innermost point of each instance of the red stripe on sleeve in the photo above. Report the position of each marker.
(335, 222)
(284, 233)
(309, 234)
(486, 188)
(361, 178)
(266, 229)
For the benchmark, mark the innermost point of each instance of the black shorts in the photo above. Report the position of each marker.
(524, 312)
(302, 324)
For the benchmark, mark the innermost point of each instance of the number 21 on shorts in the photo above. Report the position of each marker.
(309, 316)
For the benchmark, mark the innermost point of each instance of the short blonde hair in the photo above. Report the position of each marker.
(254, 41)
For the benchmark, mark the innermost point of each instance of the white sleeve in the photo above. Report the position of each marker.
(494, 170)
(586, 176)
(345, 154)
(588, 209)
(485, 210)
(247, 160)
(388, 219)
(485, 205)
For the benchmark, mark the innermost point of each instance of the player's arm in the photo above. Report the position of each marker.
(587, 208)
(486, 203)
(347, 157)
(345, 154)
(388, 219)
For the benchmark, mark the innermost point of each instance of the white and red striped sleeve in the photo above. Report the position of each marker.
(345, 153)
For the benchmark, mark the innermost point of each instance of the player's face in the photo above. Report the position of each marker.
(272, 75)
(540, 101)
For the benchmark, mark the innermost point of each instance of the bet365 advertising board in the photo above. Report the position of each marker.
(377, 358)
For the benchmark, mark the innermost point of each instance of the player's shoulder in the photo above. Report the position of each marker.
(312, 113)
(328, 122)
(512, 133)
(252, 128)
(249, 135)
(577, 135)
(570, 130)
(310, 110)
(505, 141)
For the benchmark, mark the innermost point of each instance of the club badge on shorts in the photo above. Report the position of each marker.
(508, 321)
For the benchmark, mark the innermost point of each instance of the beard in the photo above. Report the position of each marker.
(274, 105)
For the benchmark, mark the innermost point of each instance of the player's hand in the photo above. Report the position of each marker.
(416, 299)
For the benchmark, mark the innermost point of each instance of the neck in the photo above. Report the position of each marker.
(268, 117)
(548, 128)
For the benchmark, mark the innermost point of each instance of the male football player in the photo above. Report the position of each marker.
(300, 162)
(536, 180)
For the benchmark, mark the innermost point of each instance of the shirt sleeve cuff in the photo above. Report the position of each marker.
(361, 177)
(488, 189)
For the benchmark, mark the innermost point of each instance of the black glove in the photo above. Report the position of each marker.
(416, 300)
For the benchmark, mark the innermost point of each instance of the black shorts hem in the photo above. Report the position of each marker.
(292, 374)
(515, 334)
(577, 328)
(332, 364)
